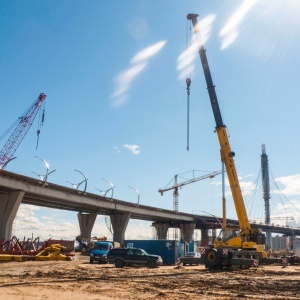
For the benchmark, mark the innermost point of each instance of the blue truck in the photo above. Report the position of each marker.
(100, 249)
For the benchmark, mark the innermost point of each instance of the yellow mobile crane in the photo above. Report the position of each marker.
(234, 247)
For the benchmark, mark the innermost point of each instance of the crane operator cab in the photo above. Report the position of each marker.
(229, 237)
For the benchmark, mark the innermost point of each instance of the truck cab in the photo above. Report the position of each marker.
(99, 251)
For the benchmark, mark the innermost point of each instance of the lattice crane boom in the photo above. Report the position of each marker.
(20, 131)
(178, 185)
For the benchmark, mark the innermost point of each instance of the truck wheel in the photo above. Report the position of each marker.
(119, 263)
(211, 257)
(151, 263)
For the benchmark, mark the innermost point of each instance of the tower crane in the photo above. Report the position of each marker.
(26, 120)
(177, 185)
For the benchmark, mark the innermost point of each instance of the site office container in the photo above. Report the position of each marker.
(169, 250)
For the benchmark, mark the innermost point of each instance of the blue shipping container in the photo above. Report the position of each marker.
(169, 250)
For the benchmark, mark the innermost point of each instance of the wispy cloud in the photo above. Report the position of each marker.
(125, 79)
(134, 149)
(148, 52)
(229, 32)
(117, 149)
(186, 60)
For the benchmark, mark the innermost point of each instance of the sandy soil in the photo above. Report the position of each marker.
(78, 279)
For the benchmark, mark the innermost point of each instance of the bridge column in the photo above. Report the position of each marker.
(9, 205)
(204, 237)
(161, 230)
(269, 238)
(119, 222)
(187, 230)
(86, 224)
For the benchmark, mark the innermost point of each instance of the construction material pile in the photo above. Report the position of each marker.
(15, 250)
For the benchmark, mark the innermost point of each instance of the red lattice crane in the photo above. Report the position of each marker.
(26, 120)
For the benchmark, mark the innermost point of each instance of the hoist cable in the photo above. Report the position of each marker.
(188, 83)
(188, 119)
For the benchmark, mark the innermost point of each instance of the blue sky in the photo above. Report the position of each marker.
(114, 76)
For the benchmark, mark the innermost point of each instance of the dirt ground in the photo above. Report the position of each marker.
(78, 279)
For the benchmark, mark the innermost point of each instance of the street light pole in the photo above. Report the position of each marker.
(76, 186)
(137, 193)
(106, 191)
(45, 177)
(210, 215)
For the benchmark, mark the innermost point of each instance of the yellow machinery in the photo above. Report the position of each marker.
(10, 257)
(235, 247)
(53, 252)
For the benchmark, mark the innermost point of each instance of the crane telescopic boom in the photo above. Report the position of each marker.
(20, 131)
(233, 248)
(226, 153)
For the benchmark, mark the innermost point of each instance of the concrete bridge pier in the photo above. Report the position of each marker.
(86, 224)
(187, 230)
(119, 222)
(204, 237)
(9, 205)
(161, 230)
(269, 238)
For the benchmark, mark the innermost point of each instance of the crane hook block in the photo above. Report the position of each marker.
(188, 82)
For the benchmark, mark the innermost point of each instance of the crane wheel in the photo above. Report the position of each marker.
(211, 257)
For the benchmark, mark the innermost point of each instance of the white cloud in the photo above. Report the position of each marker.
(135, 149)
(229, 39)
(229, 32)
(125, 79)
(148, 52)
(291, 184)
(247, 187)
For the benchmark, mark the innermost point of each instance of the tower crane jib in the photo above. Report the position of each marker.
(178, 185)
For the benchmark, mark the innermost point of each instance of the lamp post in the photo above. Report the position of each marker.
(213, 230)
(106, 191)
(44, 178)
(210, 215)
(6, 163)
(137, 193)
(76, 186)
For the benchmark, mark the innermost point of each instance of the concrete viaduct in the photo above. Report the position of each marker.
(16, 189)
